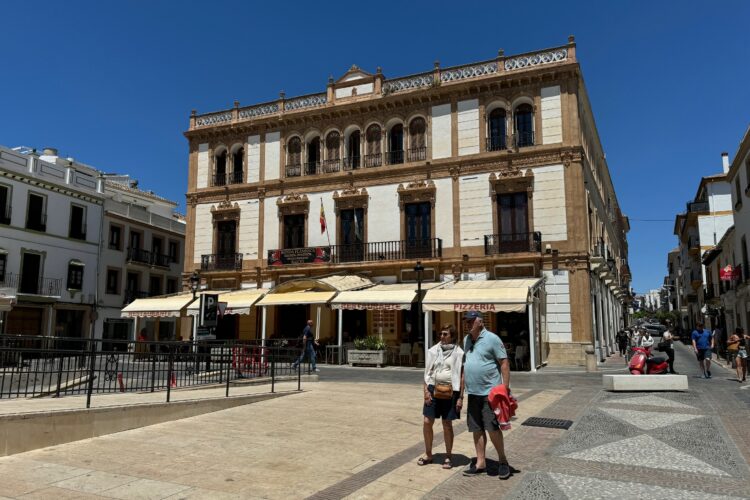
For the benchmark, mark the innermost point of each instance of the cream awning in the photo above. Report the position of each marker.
(238, 301)
(300, 297)
(157, 307)
(511, 295)
(7, 298)
(374, 299)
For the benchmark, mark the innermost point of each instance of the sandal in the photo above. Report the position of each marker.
(447, 464)
(424, 461)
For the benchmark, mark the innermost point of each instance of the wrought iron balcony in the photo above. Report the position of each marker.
(312, 167)
(524, 139)
(496, 143)
(431, 248)
(139, 256)
(495, 244)
(417, 154)
(161, 260)
(131, 295)
(697, 206)
(352, 162)
(225, 178)
(5, 214)
(373, 160)
(331, 166)
(33, 285)
(395, 157)
(221, 262)
(294, 170)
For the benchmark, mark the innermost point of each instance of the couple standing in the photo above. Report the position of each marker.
(449, 371)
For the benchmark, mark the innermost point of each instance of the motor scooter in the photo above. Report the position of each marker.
(643, 363)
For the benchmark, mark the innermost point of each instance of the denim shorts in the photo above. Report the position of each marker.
(742, 353)
(441, 408)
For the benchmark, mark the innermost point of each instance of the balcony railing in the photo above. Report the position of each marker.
(40, 285)
(496, 143)
(417, 154)
(37, 225)
(139, 255)
(395, 157)
(331, 166)
(512, 243)
(431, 248)
(5, 215)
(697, 206)
(131, 295)
(373, 160)
(222, 179)
(352, 162)
(524, 139)
(312, 167)
(161, 260)
(221, 262)
(294, 170)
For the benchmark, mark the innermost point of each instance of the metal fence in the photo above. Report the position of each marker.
(36, 366)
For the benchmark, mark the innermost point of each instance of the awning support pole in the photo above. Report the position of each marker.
(263, 326)
(427, 332)
(532, 337)
(317, 323)
(341, 334)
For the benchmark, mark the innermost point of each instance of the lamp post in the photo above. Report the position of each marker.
(419, 269)
(195, 281)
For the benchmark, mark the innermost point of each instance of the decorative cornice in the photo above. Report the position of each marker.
(350, 198)
(293, 203)
(415, 192)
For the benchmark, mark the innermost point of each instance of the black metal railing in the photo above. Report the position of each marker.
(352, 162)
(294, 170)
(697, 206)
(225, 178)
(496, 143)
(331, 166)
(161, 260)
(5, 213)
(312, 167)
(237, 177)
(131, 295)
(524, 138)
(373, 160)
(384, 250)
(221, 262)
(37, 224)
(139, 255)
(33, 285)
(395, 157)
(37, 366)
(512, 243)
(220, 179)
(417, 154)
(78, 233)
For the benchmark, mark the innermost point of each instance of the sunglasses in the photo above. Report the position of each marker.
(445, 334)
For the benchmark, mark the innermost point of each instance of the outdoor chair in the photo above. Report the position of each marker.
(520, 357)
(404, 350)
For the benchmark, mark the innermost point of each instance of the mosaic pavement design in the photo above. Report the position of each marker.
(645, 451)
(650, 400)
(649, 420)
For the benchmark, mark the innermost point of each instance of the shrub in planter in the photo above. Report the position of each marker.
(369, 344)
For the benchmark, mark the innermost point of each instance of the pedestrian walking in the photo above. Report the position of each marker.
(308, 347)
(667, 347)
(703, 343)
(622, 342)
(739, 341)
(443, 396)
(646, 339)
(485, 366)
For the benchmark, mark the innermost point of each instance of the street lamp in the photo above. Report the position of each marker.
(195, 281)
(419, 269)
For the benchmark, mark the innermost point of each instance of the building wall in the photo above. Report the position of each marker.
(253, 158)
(204, 170)
(441, 131)
(249, 228)
(273, 155)
(468, 127)
(558, 306)
(476, 215)
(551, 115)
(550, 211)
(204, 232)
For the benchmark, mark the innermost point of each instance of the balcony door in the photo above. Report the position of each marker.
(294, 231)
(418, 229)
(513, 217)
(135, 240)
(30, 273)
(226, 237)
(352, 235)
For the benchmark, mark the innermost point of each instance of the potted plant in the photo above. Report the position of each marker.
(368, 351)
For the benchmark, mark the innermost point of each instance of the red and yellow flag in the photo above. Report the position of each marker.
(322, 218)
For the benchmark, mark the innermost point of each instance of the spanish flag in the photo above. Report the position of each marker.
(322, 218)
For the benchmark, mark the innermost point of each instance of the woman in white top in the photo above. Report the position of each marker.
(442, 392)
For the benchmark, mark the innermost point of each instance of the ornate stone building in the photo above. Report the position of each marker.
(489, 174)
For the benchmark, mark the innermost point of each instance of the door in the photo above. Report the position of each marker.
(514, 227)
(294, 231)
(418, 229)
(135, 240)
(352, 235)
(30, 273)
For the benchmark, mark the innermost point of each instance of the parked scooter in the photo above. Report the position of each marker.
(643, 363)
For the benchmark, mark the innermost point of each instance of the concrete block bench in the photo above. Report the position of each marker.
(619, 383)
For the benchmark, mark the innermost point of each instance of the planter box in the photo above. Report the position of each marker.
(356, 357)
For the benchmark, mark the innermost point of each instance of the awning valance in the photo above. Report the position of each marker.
(157, 307)
(510, 295)
(238, 301)
(375, 299)
(7, 298)
(301, 297)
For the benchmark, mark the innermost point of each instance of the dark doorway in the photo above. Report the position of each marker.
(227, 326)
(418, 229)
(32, 265)
(69, 323)
(354, 325)
(226, 237)
(116, 330)
(24, 321)
(513, 329)
(291, 320)
(294, 231)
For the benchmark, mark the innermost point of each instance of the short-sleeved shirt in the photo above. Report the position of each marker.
(307, 336)
(702, 339)
(481, 371)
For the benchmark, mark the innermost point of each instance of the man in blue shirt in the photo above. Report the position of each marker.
(308, 349)
(485, 366)
(703, 343)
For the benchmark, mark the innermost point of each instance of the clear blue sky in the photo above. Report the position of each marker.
(112, 83)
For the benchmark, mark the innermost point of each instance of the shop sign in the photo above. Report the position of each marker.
(372, 307)
(307, 255)
(729, 273)
(474, 307)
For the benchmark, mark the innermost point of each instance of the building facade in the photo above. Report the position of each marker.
(51, 214)
(482, 172)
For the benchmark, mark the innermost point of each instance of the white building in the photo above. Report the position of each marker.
(739, 180)
(652, 300)
(50, 221)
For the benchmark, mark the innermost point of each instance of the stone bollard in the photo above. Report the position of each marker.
(590, 358)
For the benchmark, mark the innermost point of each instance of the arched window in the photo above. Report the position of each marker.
(237, 166)
(220, 176)
(524, 123)
(352, 151)
(312, 165)
(333, 153)
(396, 145)
(496, 130)
(373, 156)
(294, 157)
(417, 142)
